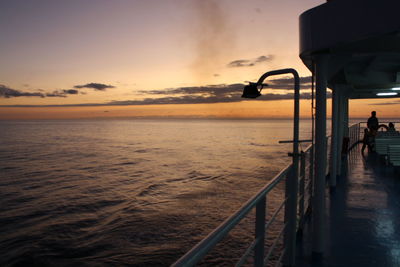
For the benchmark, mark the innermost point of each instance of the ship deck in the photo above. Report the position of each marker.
(363, 217)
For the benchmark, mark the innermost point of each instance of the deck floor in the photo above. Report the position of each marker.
(363, 217)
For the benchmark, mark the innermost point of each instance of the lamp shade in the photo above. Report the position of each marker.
(251, 91)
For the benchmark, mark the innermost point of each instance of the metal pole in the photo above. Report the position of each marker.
(334, 138)
(320, 157)
(301, 189)
(340, 130)
(291, 184)
(260, 233)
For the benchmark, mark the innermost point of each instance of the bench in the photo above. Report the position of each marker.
(382, 143)
(385, 134)
(394, 155)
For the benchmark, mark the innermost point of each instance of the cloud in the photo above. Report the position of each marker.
(218, 89)
(240, 63)
(263, 59)
(186, 99)
(6, 92)
(201, 99)
(95, 86)
(219, 93)
(71, 92)
(287, 83)
(213, 37)
(249, 62)
(62, 93)
(56, 94)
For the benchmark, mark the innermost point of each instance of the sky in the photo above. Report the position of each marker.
(151, 58)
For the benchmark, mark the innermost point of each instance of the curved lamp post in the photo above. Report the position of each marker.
(251, 91)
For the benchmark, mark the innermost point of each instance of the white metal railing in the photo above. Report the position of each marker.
(354, 135)
(303, 198)
(257, 245)
(356, 132)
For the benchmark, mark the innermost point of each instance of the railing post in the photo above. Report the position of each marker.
(354, 134)
(301, 188)
(290, 218)
(260, 232)
(350, 136)
(311, 177)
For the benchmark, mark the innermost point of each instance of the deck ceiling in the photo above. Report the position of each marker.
(362, 38)
(366, 67)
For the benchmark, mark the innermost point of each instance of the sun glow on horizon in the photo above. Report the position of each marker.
(150, 60)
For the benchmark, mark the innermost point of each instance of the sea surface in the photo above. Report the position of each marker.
(130, 191)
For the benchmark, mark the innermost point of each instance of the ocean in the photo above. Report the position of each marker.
(137, 192)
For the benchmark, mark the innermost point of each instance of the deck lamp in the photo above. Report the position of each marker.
(251, 91)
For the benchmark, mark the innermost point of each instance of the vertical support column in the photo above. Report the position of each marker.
(346, 130)
(340, 130)
(334, 137)
(320, 157)
(260, 233)
(346, 116)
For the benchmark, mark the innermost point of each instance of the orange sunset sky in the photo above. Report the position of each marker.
(153, 58)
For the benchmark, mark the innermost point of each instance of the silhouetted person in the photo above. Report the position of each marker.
(373, 123)
(367, 140)
(391, 127)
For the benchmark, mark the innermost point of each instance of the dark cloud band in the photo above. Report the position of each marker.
(249, 62)
(221, 93)
(95, 86)
(6, 92)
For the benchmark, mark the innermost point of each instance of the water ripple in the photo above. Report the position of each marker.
(127, 192)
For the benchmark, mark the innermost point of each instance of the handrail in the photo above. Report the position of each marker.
(272, 219)
(274, 244)
(198, 252)
(246, 254)
(354, 135)
(303, 197)
(202, 248)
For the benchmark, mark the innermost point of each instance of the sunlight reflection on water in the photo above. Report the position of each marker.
(138, 192)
